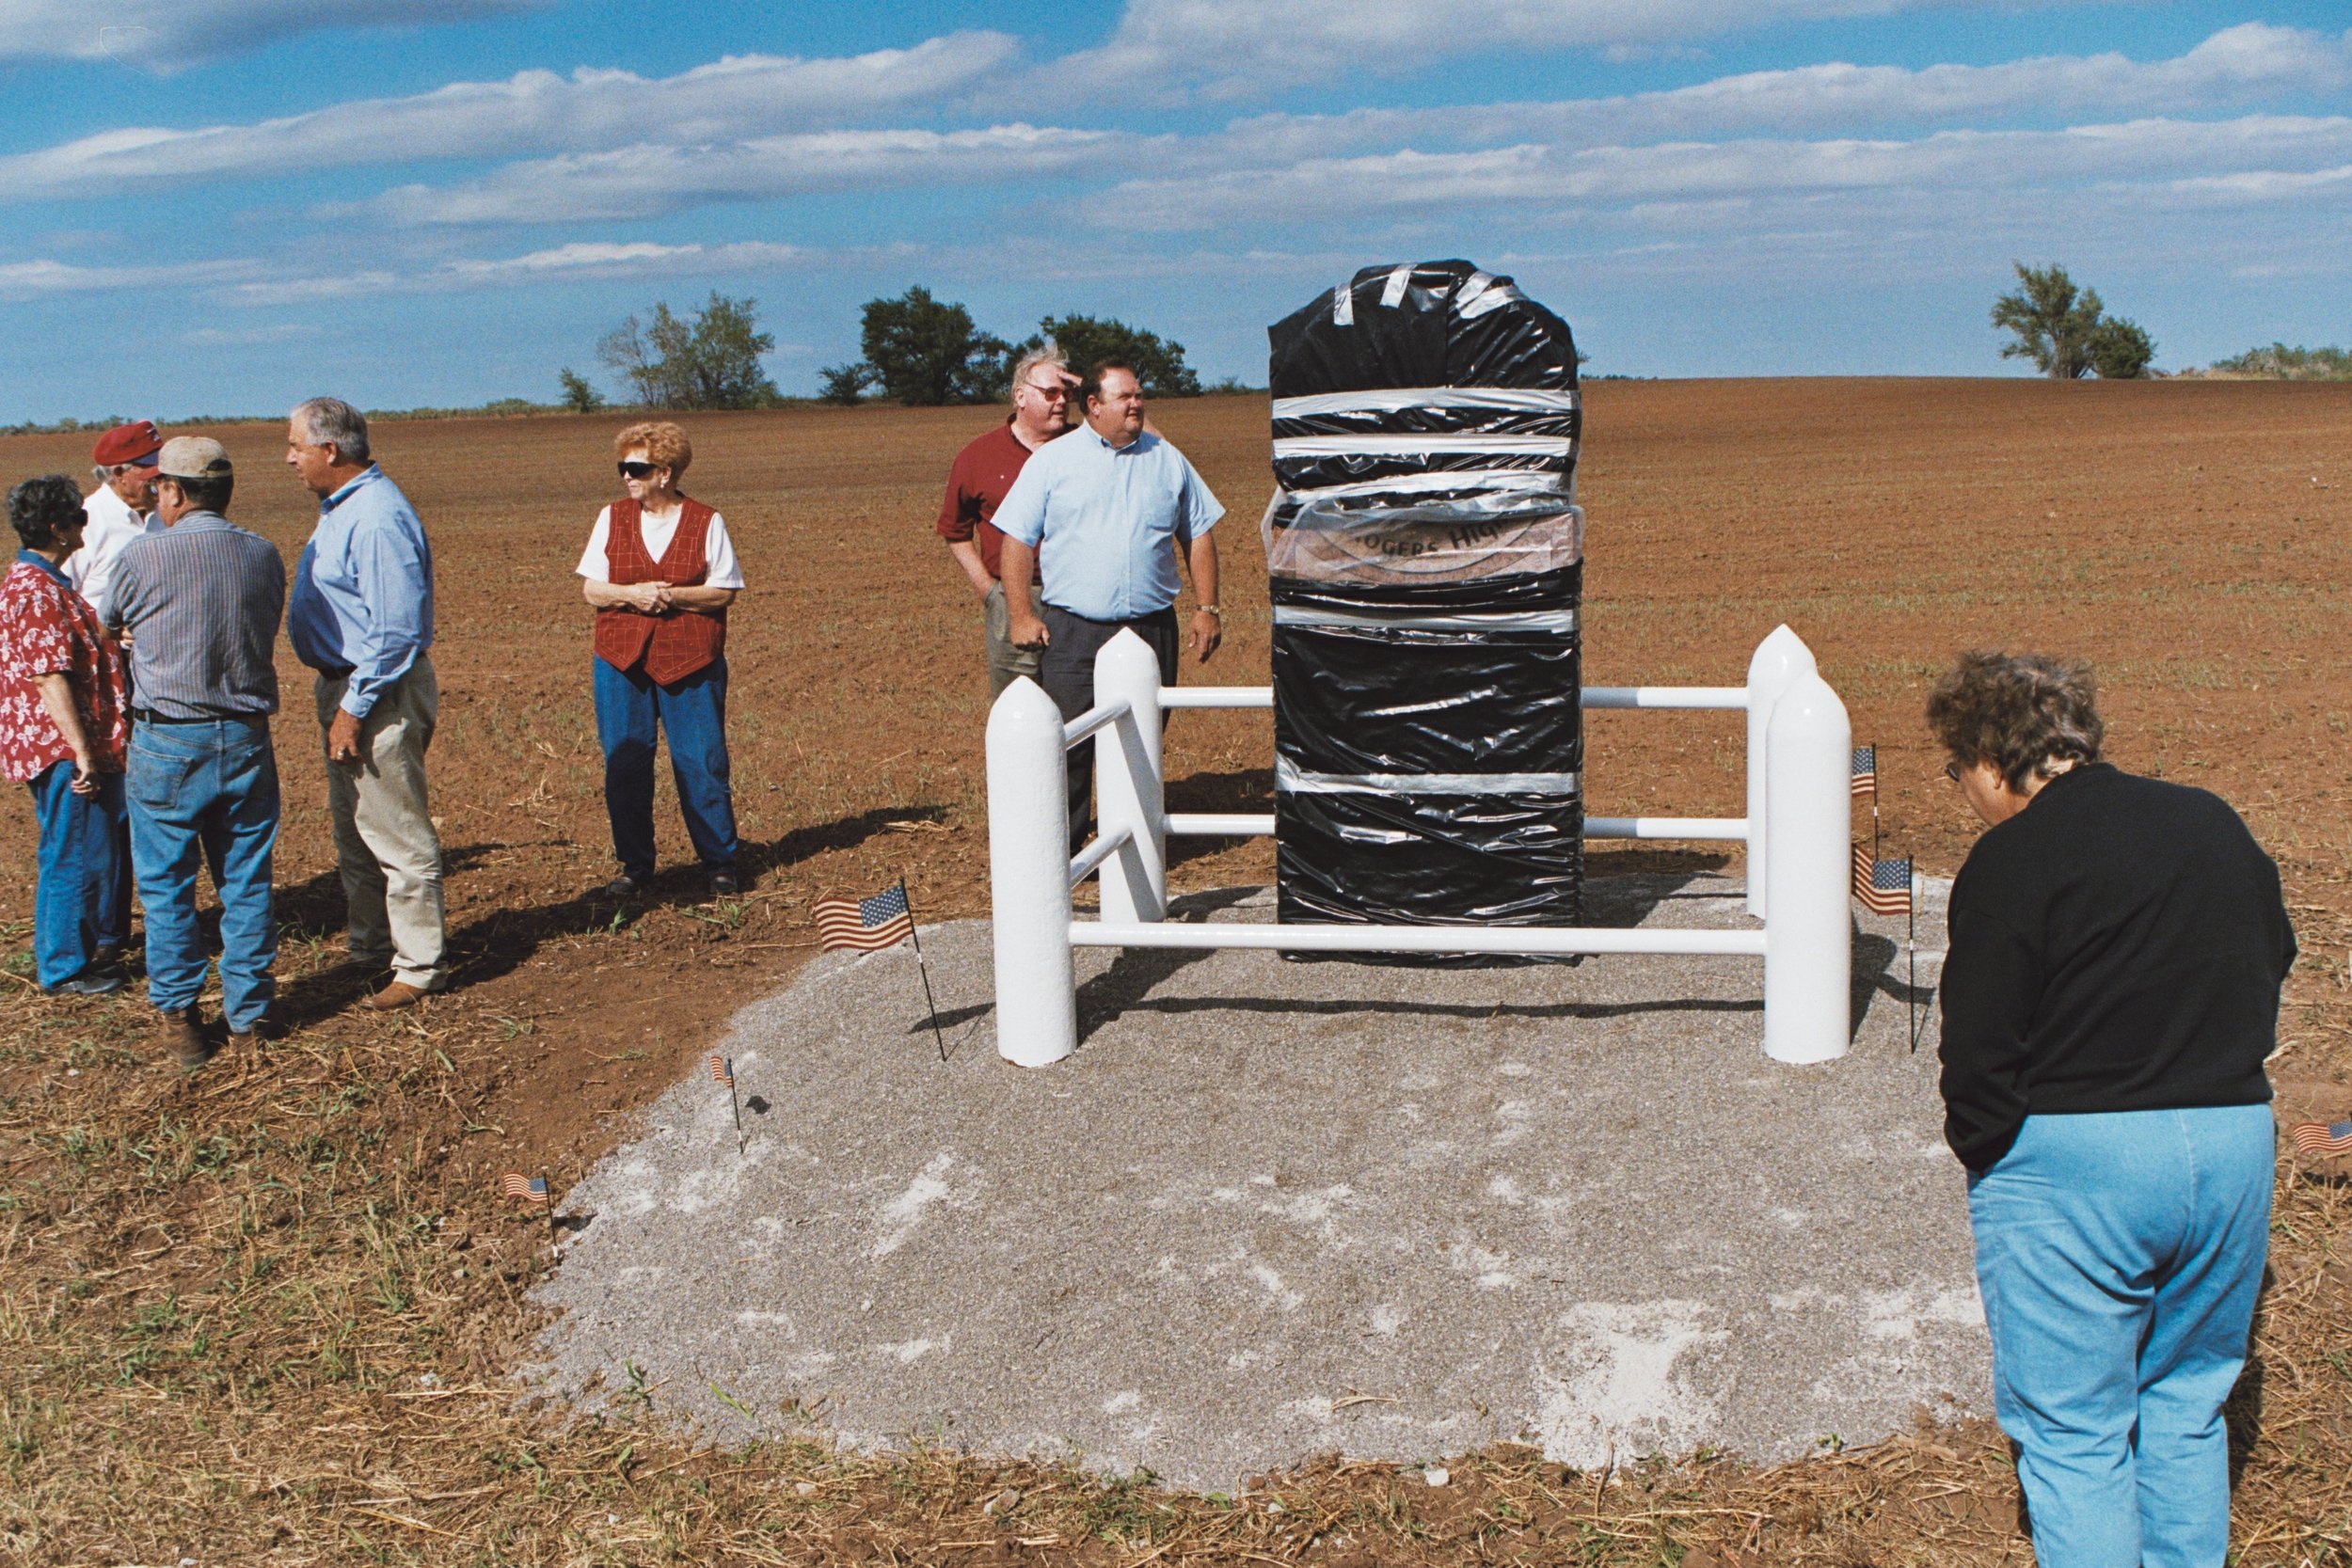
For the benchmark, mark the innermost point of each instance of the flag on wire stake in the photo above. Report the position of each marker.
(1884, 887)
(531, 1189)
(1866, 772)
(870, 925)
(723, 1072)
(2332, 1138)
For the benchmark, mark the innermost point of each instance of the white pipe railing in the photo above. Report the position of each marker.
(1798, 798)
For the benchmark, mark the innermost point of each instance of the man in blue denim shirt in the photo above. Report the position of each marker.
(361, 616)
(199, 603)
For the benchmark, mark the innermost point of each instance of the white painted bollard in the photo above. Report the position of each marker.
(1778, 663)
(1808, 945)
(1029, 859)
(1127, 788)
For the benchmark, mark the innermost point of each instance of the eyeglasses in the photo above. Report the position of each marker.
(637, 470)
(1059, 393)
(1951, 771)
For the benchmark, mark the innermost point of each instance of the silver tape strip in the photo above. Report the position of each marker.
(1343, 305)
(1393, 292)
(1486, 620)
(1351, 446)
(1389, 400)
(1443, 478)
(1290, 778)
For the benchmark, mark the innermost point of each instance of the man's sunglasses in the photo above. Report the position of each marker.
(1060, 392)
(638, 470)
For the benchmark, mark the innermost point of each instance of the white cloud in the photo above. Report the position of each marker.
(642, 180)
(536, 110)
(36, 278)
(163, 34)
(1536, 177)
(2248, 63)
(1227, 47)
(589, 258)
(245, 336)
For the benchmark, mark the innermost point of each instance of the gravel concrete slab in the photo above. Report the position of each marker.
(1270, 1210)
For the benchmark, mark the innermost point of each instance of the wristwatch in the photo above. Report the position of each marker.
(1210, 609)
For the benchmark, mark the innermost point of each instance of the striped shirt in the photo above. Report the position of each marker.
(201, 602)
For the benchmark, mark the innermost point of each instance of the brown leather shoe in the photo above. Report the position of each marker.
(393, 997)
(185, 1032)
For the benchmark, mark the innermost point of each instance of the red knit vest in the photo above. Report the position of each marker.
(676, 643)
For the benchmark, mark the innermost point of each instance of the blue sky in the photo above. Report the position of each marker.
(219, 206)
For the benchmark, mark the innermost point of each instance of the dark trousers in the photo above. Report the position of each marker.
(632, 710)
(1067, 672)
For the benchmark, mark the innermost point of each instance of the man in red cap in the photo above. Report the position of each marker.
(118, 508)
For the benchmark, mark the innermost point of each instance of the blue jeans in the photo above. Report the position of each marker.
(209, 791)
(2119, 1255)
(80, 903)
(629, 709)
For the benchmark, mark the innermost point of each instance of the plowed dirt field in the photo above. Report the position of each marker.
(218, 1294)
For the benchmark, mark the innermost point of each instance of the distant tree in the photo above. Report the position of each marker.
(844, 384)
(708, 360)
(1085, 340)
(2065, 331)
(2119, 350)
(578, 396)
(923, 352)
(2280, 362)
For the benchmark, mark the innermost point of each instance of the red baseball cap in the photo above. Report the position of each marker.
(128, 443)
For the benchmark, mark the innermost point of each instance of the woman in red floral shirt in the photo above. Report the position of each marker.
(62, 731)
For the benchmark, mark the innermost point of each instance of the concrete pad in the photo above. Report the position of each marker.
(1270, 1210)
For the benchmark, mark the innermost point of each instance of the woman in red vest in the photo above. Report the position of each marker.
(660, 571)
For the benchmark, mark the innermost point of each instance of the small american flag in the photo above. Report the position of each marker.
(531, 1189)
(1882, 887)
(1866, 772)
(723, 1071)
(2313, 1139)
(864, 924)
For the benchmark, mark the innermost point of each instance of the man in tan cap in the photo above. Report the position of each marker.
(118, 510)
(201, 602)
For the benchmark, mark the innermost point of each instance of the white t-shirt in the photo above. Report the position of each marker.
(112, 525)
(718, 549)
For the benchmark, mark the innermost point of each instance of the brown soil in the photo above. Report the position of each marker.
(219, 1293)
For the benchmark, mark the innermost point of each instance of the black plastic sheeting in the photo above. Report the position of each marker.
(1426, 567)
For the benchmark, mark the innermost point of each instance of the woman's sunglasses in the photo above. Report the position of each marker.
(638, 470)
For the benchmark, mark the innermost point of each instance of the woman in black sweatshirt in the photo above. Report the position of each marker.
(2110, 996)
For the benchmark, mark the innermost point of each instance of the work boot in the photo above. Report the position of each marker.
(266, 1027)
(184, 1031)
(393, 997)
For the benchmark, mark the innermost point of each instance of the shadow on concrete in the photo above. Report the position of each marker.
(1137, 969)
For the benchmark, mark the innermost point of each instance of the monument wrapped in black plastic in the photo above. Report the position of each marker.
(1426, 560)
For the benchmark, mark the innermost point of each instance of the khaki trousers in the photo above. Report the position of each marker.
(1006, 663)
(385, 844)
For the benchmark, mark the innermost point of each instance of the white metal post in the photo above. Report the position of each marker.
(1778, 660)
(1127, 781)
(1028, 865)
(1808, 944)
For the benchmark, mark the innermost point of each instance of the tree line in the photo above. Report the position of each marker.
(916, 349)
(923, 351)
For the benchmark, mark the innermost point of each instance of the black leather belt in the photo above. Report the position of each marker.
(149, 716)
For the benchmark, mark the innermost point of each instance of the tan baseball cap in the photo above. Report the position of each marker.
(193, 457)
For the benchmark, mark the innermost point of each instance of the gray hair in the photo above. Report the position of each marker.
(2026, 714)
(1044, 354)
(326, 420)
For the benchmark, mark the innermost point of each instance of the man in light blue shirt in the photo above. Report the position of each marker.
(361, 615)
(1104, 512)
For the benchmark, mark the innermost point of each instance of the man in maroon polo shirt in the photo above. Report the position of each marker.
(983, 471)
